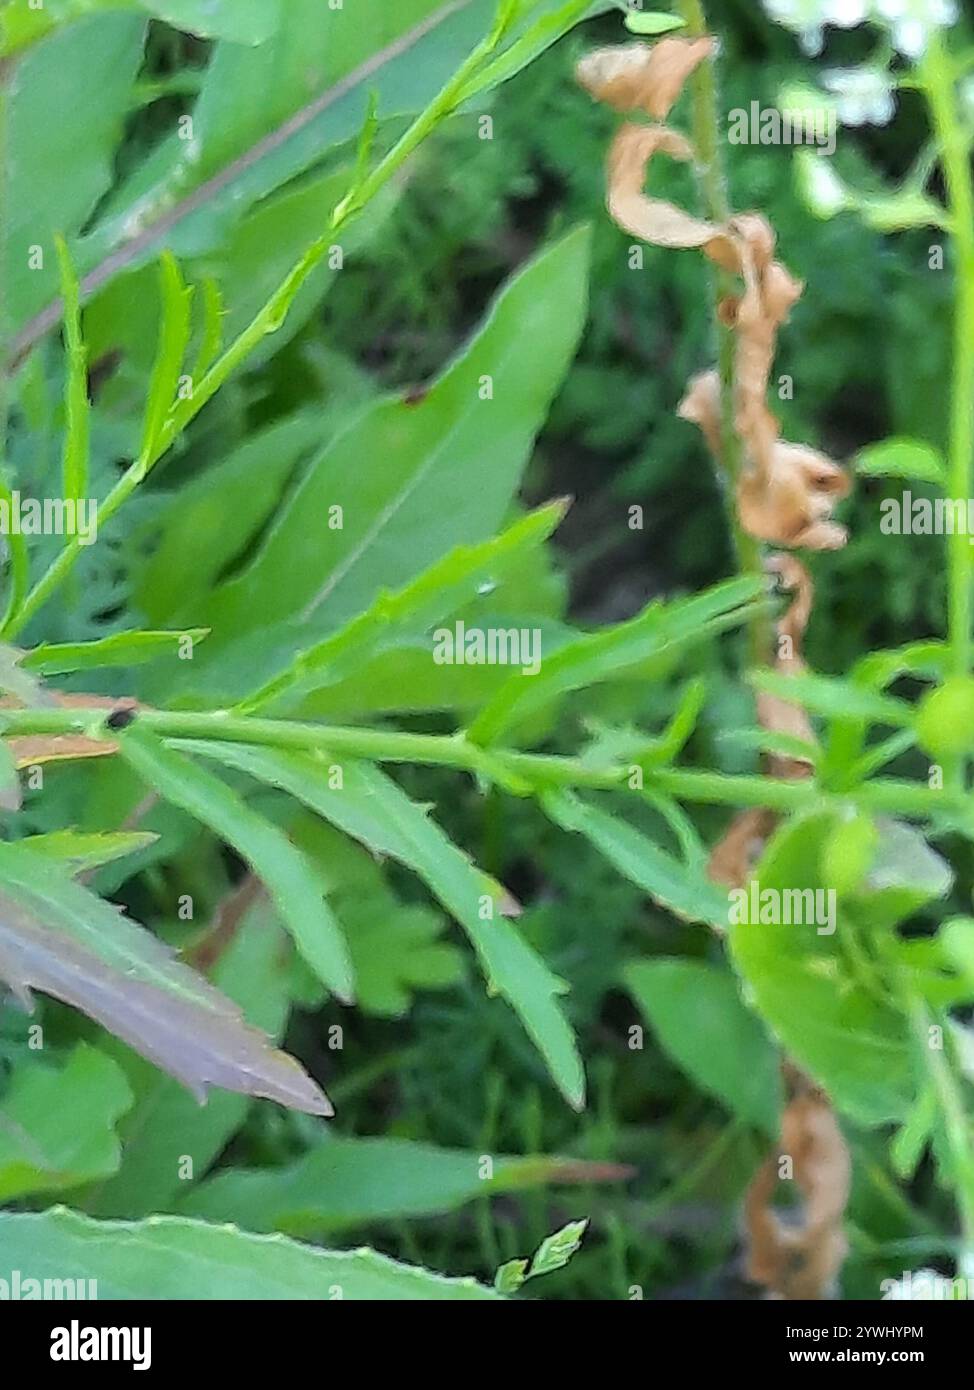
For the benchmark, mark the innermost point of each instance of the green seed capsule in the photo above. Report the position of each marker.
(945, 718)
(848, 853)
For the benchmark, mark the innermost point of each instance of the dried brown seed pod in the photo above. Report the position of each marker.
(642, 77)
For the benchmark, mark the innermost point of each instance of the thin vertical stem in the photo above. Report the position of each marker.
(713, 186)
(938, 79)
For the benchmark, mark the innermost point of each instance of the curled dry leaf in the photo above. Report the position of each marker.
(789, 504)
(786, 492)
(801, 1261)
(643, 77)
(769, 293)
(701, 406)
(792, 505)
(650, 219)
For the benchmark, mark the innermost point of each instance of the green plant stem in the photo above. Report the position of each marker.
(956, 1126)
(442, 106)
(268, 320)
(938, 81)
(522, 774)
(713, 187)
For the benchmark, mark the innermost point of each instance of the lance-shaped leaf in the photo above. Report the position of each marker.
(373, 809)
(82, 852)
(164, 1126)
(77, 407)
(265, 114)
(54, 123)
(682, 888)
(409, 612)
(604, 655)
(695, 1010)
(121, 649)
(170, 1257)
(57, 937)
(345, 1183)
(413, 479)
(289, 877)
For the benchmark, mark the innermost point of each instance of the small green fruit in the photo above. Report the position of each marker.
(848, 853)
(945, 718)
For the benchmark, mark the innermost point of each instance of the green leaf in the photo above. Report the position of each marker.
(10, 791)
(409, 613)
(531, 37)
(77, 424)
(911, 1140)
(372, 809)
(903, 458)
(287, 874)
(165, 1127)
(893, 210)
(57, 1127)
(900, 210)
(213, 518)
(57, 937)
(347, 1183)
(60, 145)
(835, 698)
(18, 682)
(511, 1276)
(237, 278)
(904, 874)
(397, 951)
(852, 1040)
(121, 649)
(556, 1250)
(957, 939)
(241, 21)
(266, 114)
(681, 889)
(603, 655)
(83, 852)
(169, 1257)
(415, 480)
(245, 21)
(696, 1012)
(652, 22)
(174, 333)
(667, 748)
(879, 669)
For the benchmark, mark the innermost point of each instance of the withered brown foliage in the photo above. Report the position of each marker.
(801, 1258)
(786, 494)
